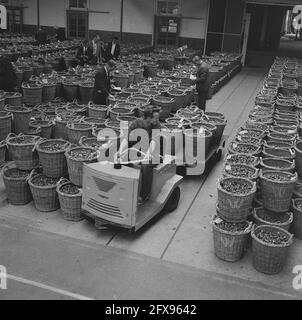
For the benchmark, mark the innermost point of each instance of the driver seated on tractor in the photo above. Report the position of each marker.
(149, 122)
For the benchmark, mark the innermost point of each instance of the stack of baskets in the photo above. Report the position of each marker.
(265, 153)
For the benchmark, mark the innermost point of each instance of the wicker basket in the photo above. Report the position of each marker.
(45, 197)
(24, 154)
(277, 195)
(165, 104)
(71, 91)
(86, 92)
(119, 111)
(269, 258)
(45, 126)
(230, 246)
(179, 97)
(75, 131)
(252, 177)
(17, 188)
(288, 216)
(32, 95)
(75, 166)
(277, 164)
(71, 204)
(121, 80)
(235, 159)
(53, 162)
(281, 153)
(235, 207)
(237, 148)
(49, 92)
(5, 124)
(296, 227)
(13, 98)
(97, 111)
(21, 116)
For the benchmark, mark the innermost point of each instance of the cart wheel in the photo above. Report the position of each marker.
(172, 202)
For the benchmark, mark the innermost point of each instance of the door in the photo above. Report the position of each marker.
(246, 30)
(77, 24)
(167, 31)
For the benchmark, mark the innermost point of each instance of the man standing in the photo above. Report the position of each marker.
(202, 82)
(102, 83)
(85, 53)
(113, 49)
(148, 123)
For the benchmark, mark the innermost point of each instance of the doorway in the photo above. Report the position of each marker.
(167, 29)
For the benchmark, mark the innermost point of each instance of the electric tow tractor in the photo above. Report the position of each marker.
(111, 192)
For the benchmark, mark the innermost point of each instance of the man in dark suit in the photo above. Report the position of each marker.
(202, 82)
(85, 53)
(113, 50)
(102, 83)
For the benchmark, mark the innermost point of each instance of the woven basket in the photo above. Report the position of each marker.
(75, 166)
(32, 95)
(296, 227)
(49, 92)
(53, 162)
(24, 154)
(250, 160)
(17, 188)
(235, 207)
(278, 145)
(71, 205)
(230, 246)
(277, 164)
(5, 124)
(165, 104)
(13, 99)
(121, 80)
(86, 92)
(71, 91)
(45, 126)
(45, 197)
(281, 153)
(269, 258)
(21, 116)
(277, 195)
(119, 111)
(252, 177)
(179, 97)
(97, 111)
(75, 131)
(288, 216)
(237, 148)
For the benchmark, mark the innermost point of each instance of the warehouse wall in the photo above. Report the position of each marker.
(138, 18)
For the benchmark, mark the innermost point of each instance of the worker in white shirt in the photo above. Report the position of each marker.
(98, 50)
(113, 49)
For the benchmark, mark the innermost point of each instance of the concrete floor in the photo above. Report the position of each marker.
(172, 258)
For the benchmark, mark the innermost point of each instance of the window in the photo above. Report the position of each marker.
(168, 7)
(77, 24)
(78, 4)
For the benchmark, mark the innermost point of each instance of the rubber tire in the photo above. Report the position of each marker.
(172, 202)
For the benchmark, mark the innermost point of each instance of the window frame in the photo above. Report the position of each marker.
(178, 2)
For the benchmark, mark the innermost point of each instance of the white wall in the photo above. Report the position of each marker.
(52, 12)
(138, 15)
(193, 28)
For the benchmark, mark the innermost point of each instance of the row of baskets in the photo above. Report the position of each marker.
(255, 194)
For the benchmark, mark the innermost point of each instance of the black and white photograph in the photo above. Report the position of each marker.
(150, 153)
